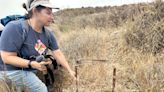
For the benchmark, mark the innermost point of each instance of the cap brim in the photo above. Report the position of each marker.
(49, 6)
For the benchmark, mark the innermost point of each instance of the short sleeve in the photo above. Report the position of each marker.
(11, 38)
(52, 41)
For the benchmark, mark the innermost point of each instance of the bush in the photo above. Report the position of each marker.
(147, 33)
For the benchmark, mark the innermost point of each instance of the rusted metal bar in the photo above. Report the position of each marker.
(81, 61)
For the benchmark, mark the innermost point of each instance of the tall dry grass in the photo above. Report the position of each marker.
(135, 70)
(137, 58)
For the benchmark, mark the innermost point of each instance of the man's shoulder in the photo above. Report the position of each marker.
(14, 26)
(16, 22)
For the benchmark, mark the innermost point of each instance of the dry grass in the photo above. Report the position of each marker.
(135, 70)
(147, 32)
(139, 66)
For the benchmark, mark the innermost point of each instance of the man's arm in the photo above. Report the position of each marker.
(60, 58)
(12, 59)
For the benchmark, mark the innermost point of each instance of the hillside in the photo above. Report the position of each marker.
(129, 37)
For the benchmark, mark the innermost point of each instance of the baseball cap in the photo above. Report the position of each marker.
(35, 3)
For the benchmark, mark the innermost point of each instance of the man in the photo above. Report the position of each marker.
(15, 50)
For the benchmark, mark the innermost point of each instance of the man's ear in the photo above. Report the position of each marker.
(35, 12)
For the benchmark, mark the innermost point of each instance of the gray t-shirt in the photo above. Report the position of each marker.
(25, 43)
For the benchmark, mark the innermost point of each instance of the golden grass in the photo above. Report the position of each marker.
(138, 70)
(135, 70)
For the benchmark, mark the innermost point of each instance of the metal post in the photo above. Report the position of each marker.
(77, 84)
(114, 79)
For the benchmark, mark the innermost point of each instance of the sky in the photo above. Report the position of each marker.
(9, 7)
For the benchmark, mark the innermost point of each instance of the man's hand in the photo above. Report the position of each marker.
(72, 73)
(41, 66)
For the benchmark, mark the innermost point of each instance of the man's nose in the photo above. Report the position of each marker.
(52, 17)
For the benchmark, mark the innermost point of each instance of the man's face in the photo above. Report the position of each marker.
(45, 16)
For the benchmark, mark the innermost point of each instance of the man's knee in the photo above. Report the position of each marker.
(38, 87)
(41, 88)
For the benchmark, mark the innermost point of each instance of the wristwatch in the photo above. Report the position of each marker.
(29, 64)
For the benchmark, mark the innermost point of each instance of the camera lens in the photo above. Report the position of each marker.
(40, 58)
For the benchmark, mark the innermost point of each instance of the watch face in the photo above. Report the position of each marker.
(29, 64)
